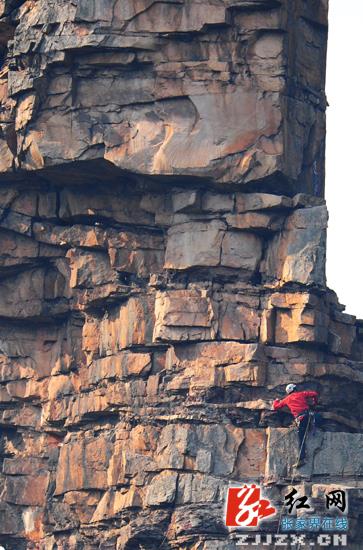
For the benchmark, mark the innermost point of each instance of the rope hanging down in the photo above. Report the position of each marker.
(293, 479)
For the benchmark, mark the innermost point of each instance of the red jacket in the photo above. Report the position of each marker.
(296, 401)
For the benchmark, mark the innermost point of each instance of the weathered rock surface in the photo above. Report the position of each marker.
(140, 355)
(162, 270)
(187, 88)
(331, 456)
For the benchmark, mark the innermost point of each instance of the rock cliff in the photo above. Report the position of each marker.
(162, 262)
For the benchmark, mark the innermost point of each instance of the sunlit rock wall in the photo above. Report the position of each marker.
(162, 262)
(225, 90)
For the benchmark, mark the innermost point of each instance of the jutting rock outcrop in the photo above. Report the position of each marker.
(231, 91)
(162, 261)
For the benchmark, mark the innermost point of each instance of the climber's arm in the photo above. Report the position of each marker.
(278, 404)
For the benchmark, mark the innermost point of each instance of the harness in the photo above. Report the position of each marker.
(302, 415)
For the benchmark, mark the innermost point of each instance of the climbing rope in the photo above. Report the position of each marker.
(162, 542)
(293, 478)
(285, 434)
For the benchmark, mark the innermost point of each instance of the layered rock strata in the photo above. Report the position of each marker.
(227, 90)
(163, 239)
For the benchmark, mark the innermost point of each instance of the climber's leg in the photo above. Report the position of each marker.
(319, 420)
(316, 422)
(302, 430)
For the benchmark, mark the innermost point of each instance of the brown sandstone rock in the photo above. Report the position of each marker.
(242, 251)
(239, 318)
(27, 490)
(188, 93)
(138, 254)
(162, 489)
(329, 451)
(184, 315)
(298, 254)
(256, 220)
(261, 201)
(194, 244)
(89, 269)
(83, 463)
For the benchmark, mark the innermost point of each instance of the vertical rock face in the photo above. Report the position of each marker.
(225, 90)
(162, 261)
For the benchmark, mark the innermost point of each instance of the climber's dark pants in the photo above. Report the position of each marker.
(315, 421)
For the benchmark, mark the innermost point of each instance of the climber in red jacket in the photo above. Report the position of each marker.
(298, 403)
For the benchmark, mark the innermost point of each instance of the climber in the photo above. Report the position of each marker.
(298, 403)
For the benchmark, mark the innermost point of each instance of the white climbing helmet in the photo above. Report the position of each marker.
(290, 388)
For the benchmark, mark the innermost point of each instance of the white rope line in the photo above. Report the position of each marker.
(293, 479)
